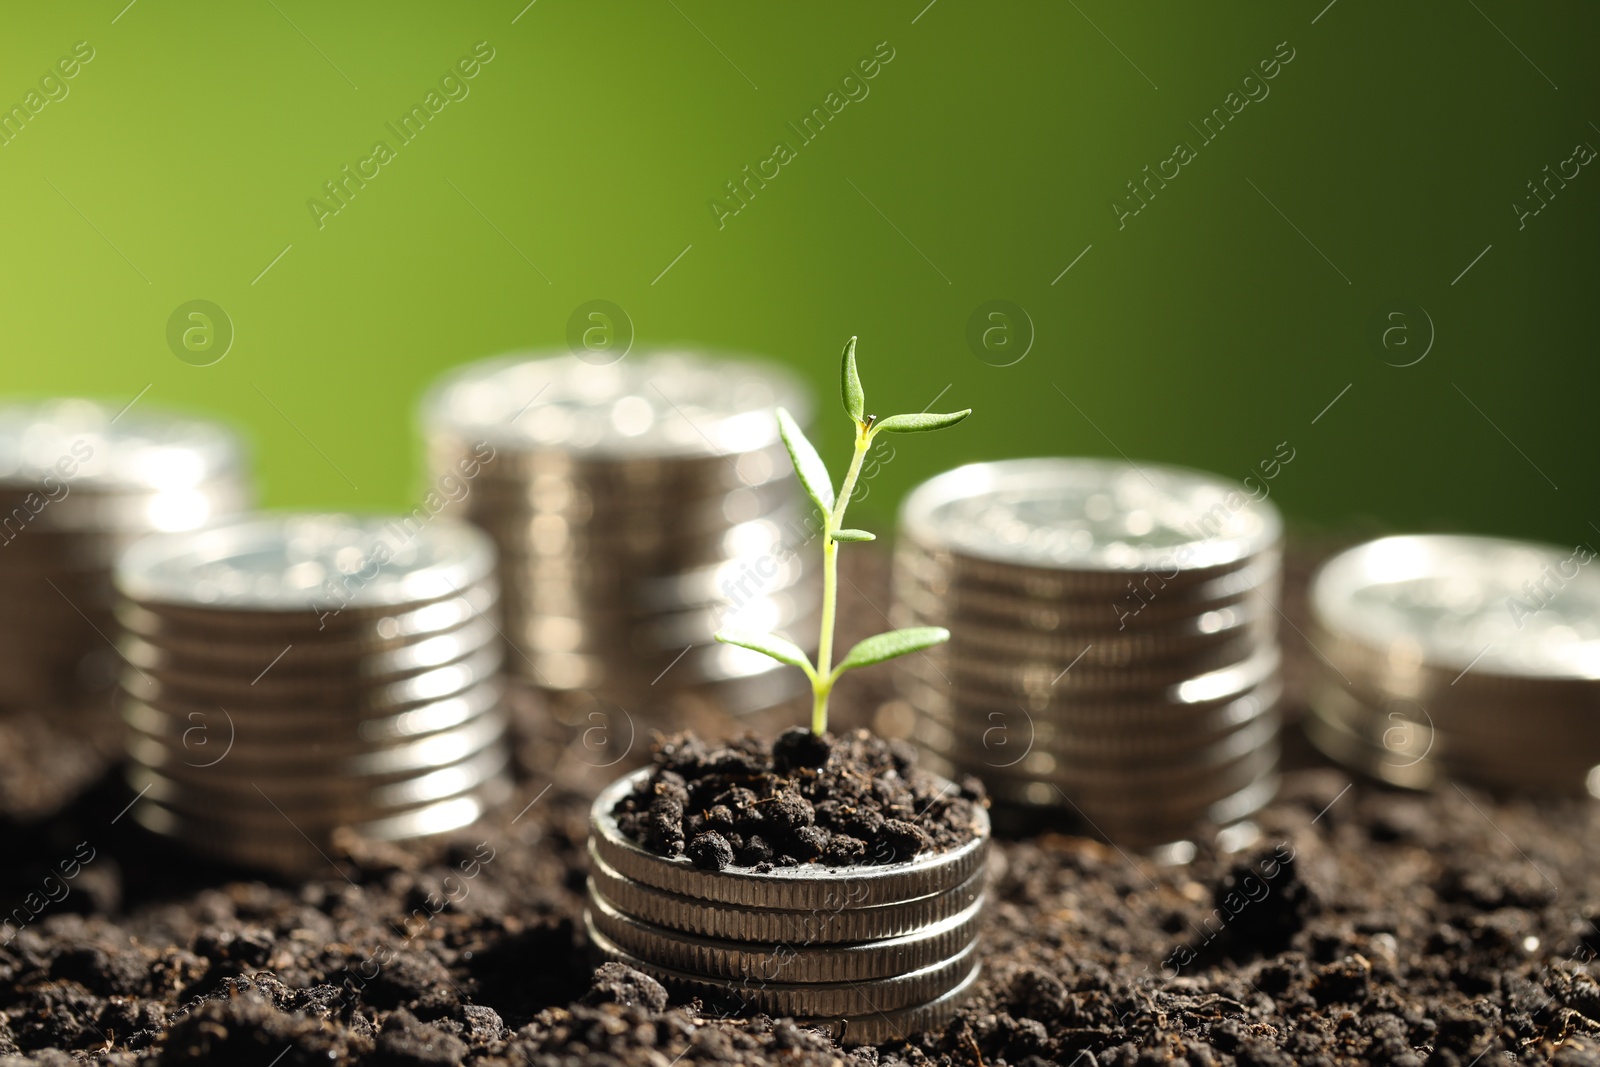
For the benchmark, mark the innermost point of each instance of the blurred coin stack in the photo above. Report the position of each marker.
(870, 953)
(290, 675)
(1461, 657)
(638, 507)
(1112, 643)
(80, 480)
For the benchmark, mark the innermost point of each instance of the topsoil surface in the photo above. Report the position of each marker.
(839, 801)
(1364, 925)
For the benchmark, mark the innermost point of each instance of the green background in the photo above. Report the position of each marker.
(1214, 325)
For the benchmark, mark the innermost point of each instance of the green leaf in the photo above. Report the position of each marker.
(894, 643)
(854, 535)
(807, 464)
(919, 423)
(855, 399)
(768, 644)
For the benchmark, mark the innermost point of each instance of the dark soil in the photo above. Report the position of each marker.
(852, 800)
(1364, 926)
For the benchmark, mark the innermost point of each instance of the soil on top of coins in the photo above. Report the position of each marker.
(1364, 926)
(846, 801)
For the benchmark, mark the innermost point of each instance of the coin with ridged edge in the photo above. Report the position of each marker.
(291, 852)
(1092, 519)
(318, 804)
(334, 636)
(1021, 676)
(881, 1027)
(793, 999)
(1140, 599)
(789, 961)
(1130, 726)
(1008, 741)
(840, 922)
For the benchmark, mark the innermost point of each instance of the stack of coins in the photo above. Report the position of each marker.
(1460, 657)
(1112, 640)
(79, 480)
(870, 953)
(290, 675)
(638, 508)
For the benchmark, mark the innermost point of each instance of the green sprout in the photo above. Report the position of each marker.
(814, 478)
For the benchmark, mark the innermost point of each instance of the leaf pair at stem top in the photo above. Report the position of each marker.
(813, 475)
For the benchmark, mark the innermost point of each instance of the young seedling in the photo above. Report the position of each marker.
(814, 478)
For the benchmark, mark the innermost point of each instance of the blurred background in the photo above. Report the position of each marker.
(1359, 235)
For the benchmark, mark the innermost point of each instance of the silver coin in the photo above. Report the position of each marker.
(1110, 789)
(647, 539)
(785, 961)
(1386, 740)
(692, 664)
(674, 631)
(128, 516)
(537, 474)
(734, 697)
(60, 599)
(205, 721)
(666, 404)
(881, 1027)
(315, 757)
(1071, 714)
(274, 729)
(733, 580)
(422, 688)
(1213, 631)
(331, 802)
(1133, 826)
(1175, 769)
(1499, 607)
(583, 608)
(723, 703)
(290, 852)
(26, 549)
(1092, 516)
(788, 999)
(89, 444)
(1132, 597)
(329, 688)
(1001, 740)
(324, 563)
(356, 631)
(839, 923)
(1039, 691)
(618, 570)
(628, 600)
(1471, 657)
(1021, 677)
(1102, 617)
(721, 496)
(1569, 707)
(1342, 745)
(309, 661)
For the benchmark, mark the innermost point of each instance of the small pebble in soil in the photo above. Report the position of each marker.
(710, 851)
(798, 747)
